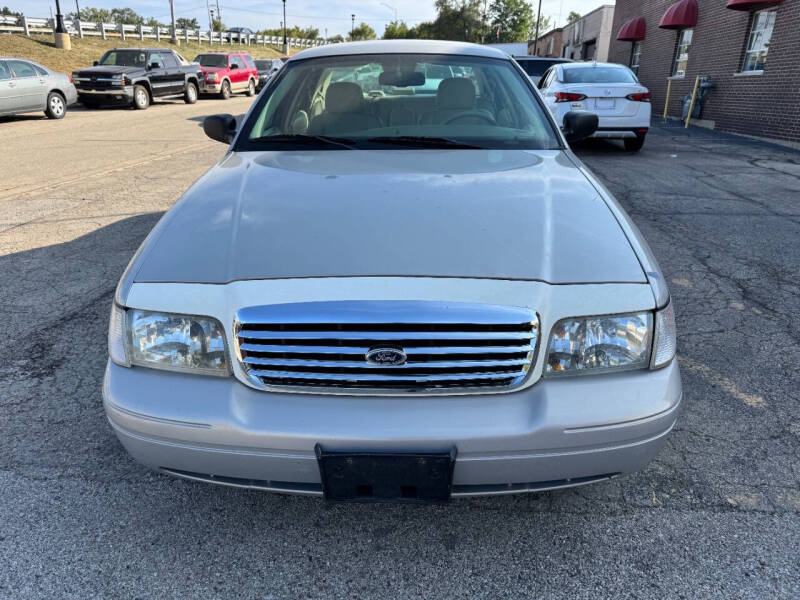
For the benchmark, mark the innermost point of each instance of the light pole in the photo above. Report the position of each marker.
(61, 35)
(352, 25)
(390, 8)
(173, 39)
(285, 42)
(536, 37)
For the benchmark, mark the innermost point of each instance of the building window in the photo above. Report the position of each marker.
(682, 53)
(636, 52)
(755, 57)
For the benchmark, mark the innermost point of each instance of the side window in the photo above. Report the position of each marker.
(755, 56)
(40, 71)
(636, 53)
(4, 71)
(169, 60)
(155, 59)
(236, 61)
(545, 80)
(249, 60)
(21, 69)
(682, 53)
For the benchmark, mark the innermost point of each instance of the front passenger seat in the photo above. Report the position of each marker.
(454, 96)
(344, 111)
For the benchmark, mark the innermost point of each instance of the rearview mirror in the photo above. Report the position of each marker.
(579, 124)
(401, 78)
(221, 128)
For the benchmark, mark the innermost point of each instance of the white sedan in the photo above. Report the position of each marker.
(611, 91)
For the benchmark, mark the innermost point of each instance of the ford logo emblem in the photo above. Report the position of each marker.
(386, 357)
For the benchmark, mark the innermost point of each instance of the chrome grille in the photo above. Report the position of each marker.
(447, 346)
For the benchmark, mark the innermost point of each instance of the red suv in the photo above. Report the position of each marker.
(227, 72)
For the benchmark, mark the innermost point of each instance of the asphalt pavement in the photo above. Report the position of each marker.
(716, 515)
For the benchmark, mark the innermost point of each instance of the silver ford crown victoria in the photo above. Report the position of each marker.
(395, 289)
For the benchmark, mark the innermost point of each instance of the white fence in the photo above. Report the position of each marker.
(30, 25)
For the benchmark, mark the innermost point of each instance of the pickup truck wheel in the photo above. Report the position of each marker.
(190, 95)
(225, 91)
(634, 144)
(56, 106)
(141, 99)
(251, 88)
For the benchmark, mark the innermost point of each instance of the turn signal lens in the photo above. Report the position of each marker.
(569, 97)
(665, 342)
(639, 97)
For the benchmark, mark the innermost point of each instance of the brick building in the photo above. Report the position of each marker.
(549, 45)
(749, 48)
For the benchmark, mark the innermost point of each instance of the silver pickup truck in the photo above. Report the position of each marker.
(394, 294)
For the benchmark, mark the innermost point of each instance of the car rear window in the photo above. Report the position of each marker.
(598, 75)
(212, 60)
(536, 68)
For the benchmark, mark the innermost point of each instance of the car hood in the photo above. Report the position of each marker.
(212, 69)
(108, 70)
(441, 213)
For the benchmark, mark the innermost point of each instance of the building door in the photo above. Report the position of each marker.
(589, 48)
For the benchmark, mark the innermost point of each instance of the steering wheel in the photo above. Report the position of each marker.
(471, 113)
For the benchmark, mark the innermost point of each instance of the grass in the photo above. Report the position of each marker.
(42, 49)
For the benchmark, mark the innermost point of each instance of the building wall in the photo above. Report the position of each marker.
(549, 44)
(596, 25)
(765, 105)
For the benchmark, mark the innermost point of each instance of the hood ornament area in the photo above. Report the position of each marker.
(386, 357)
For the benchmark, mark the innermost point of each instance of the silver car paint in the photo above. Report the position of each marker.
(444, 213)
(29, 94)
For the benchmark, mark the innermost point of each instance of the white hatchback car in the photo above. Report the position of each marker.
(611, 91)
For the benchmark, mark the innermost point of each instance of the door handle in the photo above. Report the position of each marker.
(11, 84)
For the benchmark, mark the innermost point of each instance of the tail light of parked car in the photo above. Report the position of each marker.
(569, 97)
(639, 97)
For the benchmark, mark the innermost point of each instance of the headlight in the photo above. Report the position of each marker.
(168, 341)
(587, 345)
(212, 77)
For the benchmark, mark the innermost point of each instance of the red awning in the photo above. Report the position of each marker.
(751, 4)
(632, 30)
(680, 15)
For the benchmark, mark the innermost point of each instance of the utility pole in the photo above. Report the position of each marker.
(352, 25)
(391, 8)
(173, 39)
(536, 37)
(285, 41)
(213, 25)
(210, 18)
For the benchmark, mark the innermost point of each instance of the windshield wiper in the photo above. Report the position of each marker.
(418, 141)
(310, 140)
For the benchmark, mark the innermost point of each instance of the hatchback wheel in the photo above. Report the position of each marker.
(225, 92)
(190, 96)
(56, 107)
(251, 88)
(141, 99)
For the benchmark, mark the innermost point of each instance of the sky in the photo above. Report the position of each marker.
(260, 14)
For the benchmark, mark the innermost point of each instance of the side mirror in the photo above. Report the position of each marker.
(221, 128)
(96, 63)
(154, 65)
(579, 124)
(234, 66)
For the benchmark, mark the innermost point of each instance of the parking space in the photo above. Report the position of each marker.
(716, 515)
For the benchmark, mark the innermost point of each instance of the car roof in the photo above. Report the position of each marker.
(146, 49)
(547, 58)
(590, 65)
(400, 47)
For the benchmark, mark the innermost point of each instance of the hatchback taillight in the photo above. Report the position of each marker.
(639, 97)
(569, 97)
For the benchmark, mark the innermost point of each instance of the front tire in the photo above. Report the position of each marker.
(251, 88)
(141, 98)
(190, 95)
(225, 91)
(634, 144)
(56, 106)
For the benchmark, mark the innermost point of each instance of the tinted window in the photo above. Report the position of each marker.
(155, 58)
(535, 68)
(212, 60)
(22, 68)
(263, 65)
(125, 58)
(169, 60)
(598, 75)
(5, 73)
(249, 61)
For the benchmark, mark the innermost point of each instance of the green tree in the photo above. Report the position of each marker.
(573, 16)
(460, 20)
(184, 23)
(217, 24)
(307, 33)
(545, 25)
(92, 15)
(7, 12)
(396, 30)
(336, 38)
(362, 32)
(127, 16)
(511, 20)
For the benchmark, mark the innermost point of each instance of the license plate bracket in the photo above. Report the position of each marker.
(403, 477)
(604, 103)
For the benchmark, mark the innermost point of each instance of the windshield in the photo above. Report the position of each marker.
(598, 75)
(536, 68)
(394, 100)
(212, 60)
(263, 65)
(125, 58)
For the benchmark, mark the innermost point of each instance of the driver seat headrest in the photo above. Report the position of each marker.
(455, 93)
(344, 97)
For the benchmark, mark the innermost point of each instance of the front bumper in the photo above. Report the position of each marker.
(117, 95)
(210, 88)
(555, 433)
